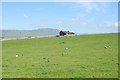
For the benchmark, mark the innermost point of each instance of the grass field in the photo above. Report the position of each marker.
(48, 57)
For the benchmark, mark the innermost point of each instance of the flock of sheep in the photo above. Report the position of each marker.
(67, 48)
(107, 46)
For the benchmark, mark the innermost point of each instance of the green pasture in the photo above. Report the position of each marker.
(48, 57)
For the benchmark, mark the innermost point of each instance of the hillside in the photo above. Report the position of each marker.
(82, 56)
(26, 33)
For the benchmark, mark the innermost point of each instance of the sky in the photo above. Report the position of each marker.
(60, 0)
(79, 17)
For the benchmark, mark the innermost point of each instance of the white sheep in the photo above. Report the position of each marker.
(105, 47)
(16, 55)
(66, 48)
(109, 46)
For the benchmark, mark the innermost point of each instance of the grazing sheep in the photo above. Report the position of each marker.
(105, 46)
(109, 46)
(16, 55)
(66, 48)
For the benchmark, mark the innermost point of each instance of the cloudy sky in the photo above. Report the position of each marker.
(80, 17)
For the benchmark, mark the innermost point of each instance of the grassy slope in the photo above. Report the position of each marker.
(85, 57)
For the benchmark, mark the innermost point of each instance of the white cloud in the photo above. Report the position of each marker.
(61, 22)
(115, 24)
(83, 23)
(75, 19)
(67, 26)
(25, 16)
(39, 9)
(92, 6)
(89, 6)
(39, 25)
(110, 24)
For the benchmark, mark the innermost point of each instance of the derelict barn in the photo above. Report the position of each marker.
(63, 33)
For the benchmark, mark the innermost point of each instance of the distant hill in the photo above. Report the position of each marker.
(26, 33)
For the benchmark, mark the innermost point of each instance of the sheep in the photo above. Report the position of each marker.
(105, 47)
(109, 46)
(66, 48)
(16, 55)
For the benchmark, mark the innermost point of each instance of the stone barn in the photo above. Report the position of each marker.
(63, 33)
